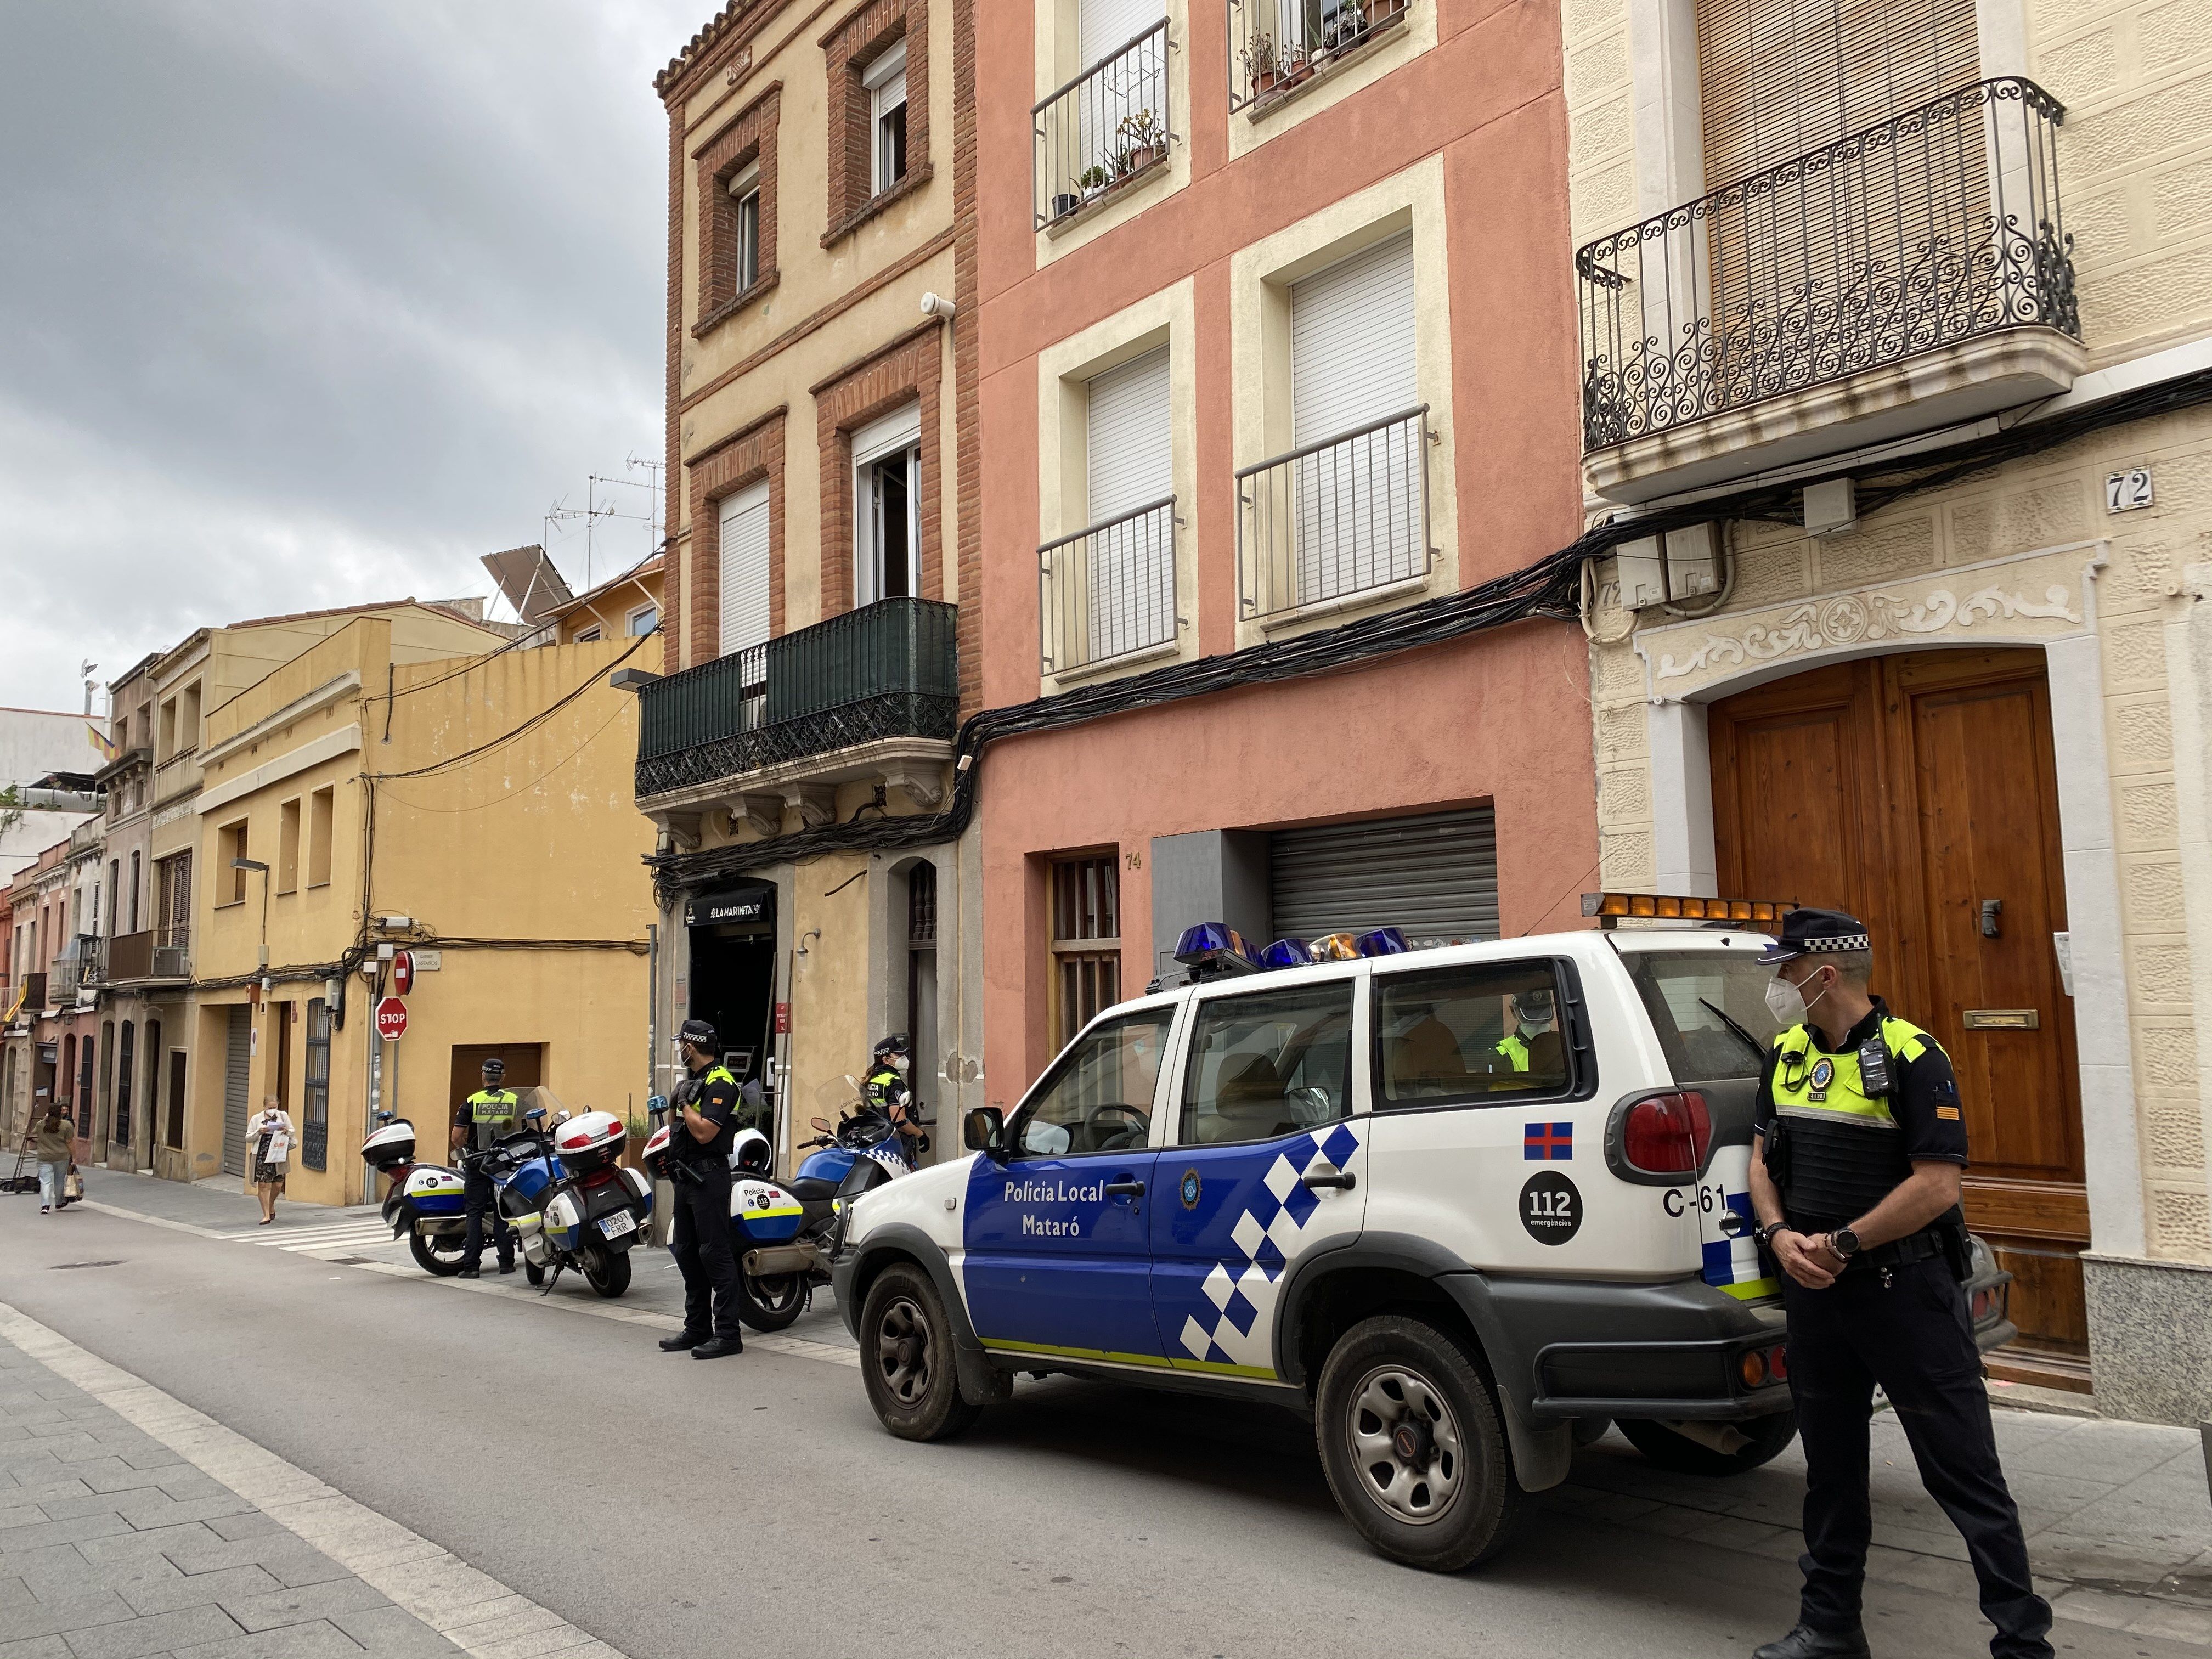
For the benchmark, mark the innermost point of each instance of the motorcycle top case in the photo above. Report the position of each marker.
(433, 1190)
(762, 1212)
(390, 1146)
(591, 1140)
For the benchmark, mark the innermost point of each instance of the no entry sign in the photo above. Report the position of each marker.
(392, 1019)
(403, 973)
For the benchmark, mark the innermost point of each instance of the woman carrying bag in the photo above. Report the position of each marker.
(53, 1140)
(270, 1136)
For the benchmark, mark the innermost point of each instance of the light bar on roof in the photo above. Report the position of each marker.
(1611, 908)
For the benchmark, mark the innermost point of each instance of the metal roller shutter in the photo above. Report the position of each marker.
(1129, 437)
(1102, 26)
(237, 1057)
(1435, 876)
(1351, 343)
(744, 569)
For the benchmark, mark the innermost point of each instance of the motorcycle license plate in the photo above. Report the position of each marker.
(616, 1225)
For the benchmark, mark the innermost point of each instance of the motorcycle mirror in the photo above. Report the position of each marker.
(560, 1117)
(823, 1125)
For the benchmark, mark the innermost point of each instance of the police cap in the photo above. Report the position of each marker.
(1816, 932)
(495, 1068)
(698, 1033)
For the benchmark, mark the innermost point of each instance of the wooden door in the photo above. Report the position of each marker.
(1920, 793)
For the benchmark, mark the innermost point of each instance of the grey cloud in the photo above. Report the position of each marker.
(302, 304)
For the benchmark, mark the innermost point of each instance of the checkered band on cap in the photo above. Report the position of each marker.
(1841, 942)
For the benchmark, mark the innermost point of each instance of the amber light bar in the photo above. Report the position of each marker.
(1611, 908)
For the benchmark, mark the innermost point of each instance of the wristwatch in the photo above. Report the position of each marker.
(1844, 1242)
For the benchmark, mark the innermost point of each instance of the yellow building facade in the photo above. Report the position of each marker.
(473, 811)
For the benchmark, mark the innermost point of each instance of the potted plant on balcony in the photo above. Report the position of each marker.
(1263, 66)
(1145, 141)
(1296, 64)
(1093, 179)
(1066, 201)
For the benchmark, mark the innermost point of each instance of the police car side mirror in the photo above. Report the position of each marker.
(985, 1131)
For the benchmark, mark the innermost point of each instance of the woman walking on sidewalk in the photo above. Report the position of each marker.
(51, 1139)
(271, 1135)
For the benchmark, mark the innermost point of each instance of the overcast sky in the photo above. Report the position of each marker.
(309, 303)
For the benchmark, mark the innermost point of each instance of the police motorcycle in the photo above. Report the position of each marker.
(784, 1233)
(427, 1202)
(569, 1199)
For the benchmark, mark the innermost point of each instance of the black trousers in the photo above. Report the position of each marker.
(1913, 1335)
(483, 1199)
(699, 1239)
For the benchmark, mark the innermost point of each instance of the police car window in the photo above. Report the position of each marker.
(1468, 1034)
(1099, 1097)
(1709, 1010)
(1269, 1063)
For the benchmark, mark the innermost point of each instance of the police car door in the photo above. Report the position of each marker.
(1056, 1260)
(1264, 1163)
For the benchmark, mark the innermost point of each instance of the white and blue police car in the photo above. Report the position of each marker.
(1461, 1206)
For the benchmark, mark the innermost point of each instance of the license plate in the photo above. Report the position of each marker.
(616, 1225)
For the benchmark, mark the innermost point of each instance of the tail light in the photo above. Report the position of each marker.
(1667, 1135)
(1759, 1366)
(599, 1178)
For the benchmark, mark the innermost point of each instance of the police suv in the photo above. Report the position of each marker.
(1461, 1206)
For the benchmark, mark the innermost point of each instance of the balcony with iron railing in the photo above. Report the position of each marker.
(880, 681)
(1911, 276)
(155, 953)
(34, 1002)
(1338, 523)
(1279, 48)
(1103, 130)
(1107, 594)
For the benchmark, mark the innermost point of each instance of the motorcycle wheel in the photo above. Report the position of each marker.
(772, 1301)
(607, 1272)
(437, 1254)
(533, 1273)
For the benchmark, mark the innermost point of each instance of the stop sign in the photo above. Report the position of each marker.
(403, 973)
(392, 1019)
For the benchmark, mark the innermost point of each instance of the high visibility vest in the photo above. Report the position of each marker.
(879, 1090)
(1845, 1150)
(1515, 1051)
(493, 1105)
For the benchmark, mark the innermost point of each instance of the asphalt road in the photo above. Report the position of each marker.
(677, 1508)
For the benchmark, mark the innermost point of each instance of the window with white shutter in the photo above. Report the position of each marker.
(1128, 578)
(887, 507)
(1357, 498)
(744, 546)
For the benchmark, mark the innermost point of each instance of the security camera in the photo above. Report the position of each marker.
(936, 305)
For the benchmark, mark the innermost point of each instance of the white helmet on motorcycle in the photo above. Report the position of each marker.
(751, 1154)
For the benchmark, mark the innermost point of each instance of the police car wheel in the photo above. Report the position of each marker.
(1413, 1446)
(1750, 1444)
(906, 1357)
(439, 1253)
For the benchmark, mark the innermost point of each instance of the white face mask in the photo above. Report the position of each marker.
(1787, 1003)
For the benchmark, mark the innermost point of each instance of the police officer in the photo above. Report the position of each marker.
(699, 1142)
(1854, 1177)
(886, 1090)
(478, 1122)
(1532, 1014)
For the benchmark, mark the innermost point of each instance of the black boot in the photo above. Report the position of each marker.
(715, 1346)
(1806, 1643)
(506, 1268)
(682, 1339)
(470, 1273)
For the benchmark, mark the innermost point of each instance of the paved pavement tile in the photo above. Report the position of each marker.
(112, 1546)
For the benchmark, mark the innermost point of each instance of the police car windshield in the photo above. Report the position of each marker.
(1687, 993)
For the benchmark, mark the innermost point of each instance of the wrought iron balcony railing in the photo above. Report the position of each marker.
(1104, 129)
(315, 1145)
(887, 670)
(1276, 46)
(1934, 227)
(1335, 518)
(34, 998)
(1108, 590)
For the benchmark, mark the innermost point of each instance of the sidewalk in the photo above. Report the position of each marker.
(118, 1540)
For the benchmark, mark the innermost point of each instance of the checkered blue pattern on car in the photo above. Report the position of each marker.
(1734, 1262)
(1237, 1328)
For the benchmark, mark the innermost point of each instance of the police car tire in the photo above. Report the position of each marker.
(1483, 1517)
(1679, 1454)
(442, 1264)
(941, 1412)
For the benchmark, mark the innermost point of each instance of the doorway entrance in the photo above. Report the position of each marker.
(1920, 793)
(526, 1070)
(732, 983)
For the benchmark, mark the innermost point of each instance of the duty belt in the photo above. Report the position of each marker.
(1899, 1252)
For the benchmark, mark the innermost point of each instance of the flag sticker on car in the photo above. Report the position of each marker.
(1542, 1143)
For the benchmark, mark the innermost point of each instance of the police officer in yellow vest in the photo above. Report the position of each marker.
(703, 1131)
(1861, 1144)
(1533, 1013)
(493, 1110)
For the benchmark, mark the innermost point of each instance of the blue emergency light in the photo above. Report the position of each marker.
(1213, 950)
(1381, 942)
(1286, 953)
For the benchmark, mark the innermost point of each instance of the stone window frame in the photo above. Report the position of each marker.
(737, 462)
(850, 47)
(749, 139)
(911, 369)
